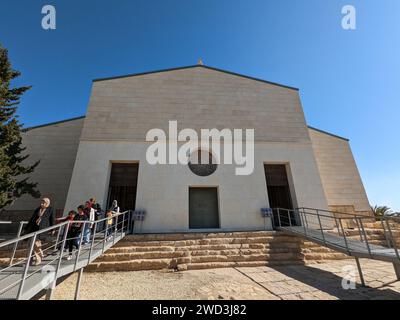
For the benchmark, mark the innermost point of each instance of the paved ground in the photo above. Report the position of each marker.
(320, 281)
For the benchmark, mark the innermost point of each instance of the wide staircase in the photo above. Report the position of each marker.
(211, 250)
(190, 251)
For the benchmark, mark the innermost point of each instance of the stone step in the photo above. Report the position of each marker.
(317, 249)
(270, 254)
(369, 237)
(317, 256)
(158, 264)
(378, 225)
(117, 257)
(195, 236)
(250, 257)
(134, 265)
(276, 246)
(215, 265)
(212, 241)
(356, 232)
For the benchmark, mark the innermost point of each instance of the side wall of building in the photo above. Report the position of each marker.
(56, 146)
(340, 177)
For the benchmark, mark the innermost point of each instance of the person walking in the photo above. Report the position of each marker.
(90, 213)
(74, 231)
(114, 207)
(70, 217)
(115, 210)
(42, 218)
(109, 225)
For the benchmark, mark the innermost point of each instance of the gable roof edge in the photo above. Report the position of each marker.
(328, 133)
(195, 66)
(52, 123)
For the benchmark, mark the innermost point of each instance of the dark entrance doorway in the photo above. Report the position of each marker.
(123, 185)
(279, 193)
(203, 208)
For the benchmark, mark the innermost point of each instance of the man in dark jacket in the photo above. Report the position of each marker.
(42, 218)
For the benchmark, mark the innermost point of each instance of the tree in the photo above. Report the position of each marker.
(13, 172)
(381, 211)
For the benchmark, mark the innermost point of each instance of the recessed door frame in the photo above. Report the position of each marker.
(218, 206)
(107, 185)
(292, 191)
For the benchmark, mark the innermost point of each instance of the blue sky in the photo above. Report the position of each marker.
(349, 80)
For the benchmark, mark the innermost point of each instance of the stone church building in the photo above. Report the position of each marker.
(103, 154)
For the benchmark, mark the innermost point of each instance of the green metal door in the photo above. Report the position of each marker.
(203, 208)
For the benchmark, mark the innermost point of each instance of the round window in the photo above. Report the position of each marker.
(202, 163)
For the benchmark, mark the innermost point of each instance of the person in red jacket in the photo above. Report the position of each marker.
(69, 217)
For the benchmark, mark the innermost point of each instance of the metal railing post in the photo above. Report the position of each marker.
(385, 234)
(290, 219)
(92, 244)
(302, 221)
(320, 225)
(105, 236)
(272, 221)
(58, 237)
(279, 218)
(344, 236)
(360, 272)
(392, 239)
(80, 245)
(365, 236)
(359, 229)
(28, 262)
(78, 284)
(337, 225)
(21, 224)
(123, 224)
(116, 229)
(61, 251)
(305, 217)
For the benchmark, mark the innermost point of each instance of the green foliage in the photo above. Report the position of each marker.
(380, 211)
(13, 172)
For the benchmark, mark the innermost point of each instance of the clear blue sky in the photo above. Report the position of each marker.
(349, 80)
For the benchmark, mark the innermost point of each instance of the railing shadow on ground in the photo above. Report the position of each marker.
(331, 283)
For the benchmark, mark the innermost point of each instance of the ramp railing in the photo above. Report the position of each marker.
(328, 227)
(26, 263)
(336, 231)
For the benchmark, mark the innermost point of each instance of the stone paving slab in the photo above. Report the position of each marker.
(311, 282)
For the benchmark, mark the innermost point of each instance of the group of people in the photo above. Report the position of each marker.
(78, 232)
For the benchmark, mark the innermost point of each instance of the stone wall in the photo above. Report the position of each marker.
(341, 180)
(55, 145)
(198, 98)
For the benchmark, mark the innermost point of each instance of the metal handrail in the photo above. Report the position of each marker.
(31, 235)
(358, 219)
(64, 226)
(336, 212)
(332, 213)
(56, 226)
